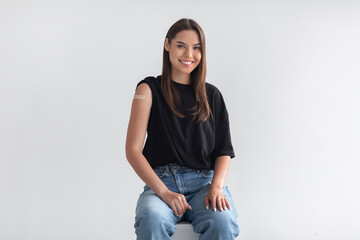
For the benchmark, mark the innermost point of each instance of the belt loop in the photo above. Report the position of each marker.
(167, 168)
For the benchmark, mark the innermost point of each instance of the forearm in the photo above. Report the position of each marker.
(146, 173)
(222, 164)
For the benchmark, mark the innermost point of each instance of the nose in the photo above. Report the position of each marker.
(188, 52)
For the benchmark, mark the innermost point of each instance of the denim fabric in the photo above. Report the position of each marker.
(155, 220)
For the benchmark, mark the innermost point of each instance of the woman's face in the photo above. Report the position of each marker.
(184, 52)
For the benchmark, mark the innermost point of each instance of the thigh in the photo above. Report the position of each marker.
(154, 218)
(149, 204)
(200, 215)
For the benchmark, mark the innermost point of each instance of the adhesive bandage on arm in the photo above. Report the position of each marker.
(136, 96)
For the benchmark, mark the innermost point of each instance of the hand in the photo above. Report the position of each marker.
(176, 201)
(216, 197)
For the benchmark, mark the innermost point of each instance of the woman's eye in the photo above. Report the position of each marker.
(180, 46)
(197, 48)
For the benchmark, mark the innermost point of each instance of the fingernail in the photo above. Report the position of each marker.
(214, 209)
(207, 207)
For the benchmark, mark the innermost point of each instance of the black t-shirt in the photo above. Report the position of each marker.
(171, 139)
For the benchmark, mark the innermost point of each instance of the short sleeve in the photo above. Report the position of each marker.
(151, 83)
(223, 144)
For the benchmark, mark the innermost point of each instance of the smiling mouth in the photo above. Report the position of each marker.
(188, 63)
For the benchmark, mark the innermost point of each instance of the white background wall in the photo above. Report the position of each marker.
(289, 72)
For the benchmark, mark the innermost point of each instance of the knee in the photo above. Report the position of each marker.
(223, 225)
(150, 217)
(152, 220)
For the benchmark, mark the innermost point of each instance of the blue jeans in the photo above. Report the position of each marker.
(155, 220)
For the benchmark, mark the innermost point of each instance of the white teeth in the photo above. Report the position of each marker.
(188, 63)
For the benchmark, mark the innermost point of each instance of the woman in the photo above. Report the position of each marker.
(188, 147)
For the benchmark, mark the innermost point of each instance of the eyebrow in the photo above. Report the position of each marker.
(185, 43)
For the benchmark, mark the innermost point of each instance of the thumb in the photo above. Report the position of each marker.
(189, 207)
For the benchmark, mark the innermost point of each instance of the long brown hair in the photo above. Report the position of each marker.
(201, 110)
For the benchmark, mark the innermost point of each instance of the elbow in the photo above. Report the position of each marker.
(132, 153)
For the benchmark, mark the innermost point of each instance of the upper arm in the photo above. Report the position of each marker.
(139, 118)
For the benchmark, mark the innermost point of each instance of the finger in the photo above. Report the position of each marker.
(180, 206)
(178, 209)
(187, 205)
(227, 203)
(223, 203)
(219, 203)
(213, 203)
(184, 204)
(173, 207)
(207, 203)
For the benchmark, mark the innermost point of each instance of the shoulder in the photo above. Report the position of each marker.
(150, 82)
(215, 97)
(212, 90)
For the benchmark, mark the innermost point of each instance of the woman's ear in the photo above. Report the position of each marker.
(167, 44)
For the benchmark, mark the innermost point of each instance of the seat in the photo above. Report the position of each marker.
(184, 231)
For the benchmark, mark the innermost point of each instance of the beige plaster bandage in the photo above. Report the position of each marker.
(139, 96)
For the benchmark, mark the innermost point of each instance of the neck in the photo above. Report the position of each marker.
(182, 78)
